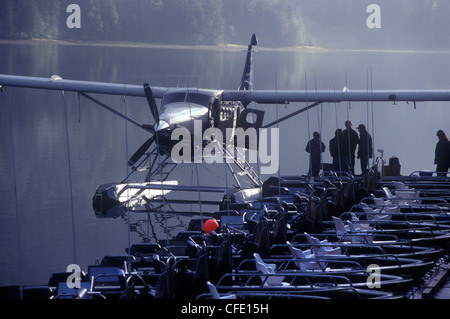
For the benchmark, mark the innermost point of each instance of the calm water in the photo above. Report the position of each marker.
(55, 149)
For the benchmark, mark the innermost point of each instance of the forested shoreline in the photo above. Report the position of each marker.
(405, 24)
(199, 22)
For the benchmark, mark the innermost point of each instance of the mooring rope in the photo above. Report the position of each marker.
(373, 117)
(69, 162)
(125, 105)
(16, 201)
(319, 121)
(309, 130)
(350, 161)
(337, 127)
(278, 127)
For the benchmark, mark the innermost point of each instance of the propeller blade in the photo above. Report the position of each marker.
(151, 102)
(141, 150)
(148, 127)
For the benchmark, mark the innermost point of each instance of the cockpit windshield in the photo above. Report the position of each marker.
(190, 97)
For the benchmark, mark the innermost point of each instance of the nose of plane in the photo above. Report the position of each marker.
(161, 126)
(162, 132)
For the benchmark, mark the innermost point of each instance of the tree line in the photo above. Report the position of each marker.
(327, 23)
(206, 22)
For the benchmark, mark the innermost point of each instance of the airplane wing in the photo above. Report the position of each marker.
(258, 96)
(273, 96)
(57, 83)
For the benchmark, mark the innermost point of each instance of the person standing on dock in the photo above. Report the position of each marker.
(352, 141)
(315, 148)
(442, 154)
(339, 152)
(365, 149)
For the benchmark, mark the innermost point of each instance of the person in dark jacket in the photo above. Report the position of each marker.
(339, 152)
(352, 140)
(315, 148)
(365, 149)
(442, 154)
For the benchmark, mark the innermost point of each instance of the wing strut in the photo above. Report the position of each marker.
(110, 109)
(292, 114)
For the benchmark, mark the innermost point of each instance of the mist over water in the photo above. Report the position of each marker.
(56, 149)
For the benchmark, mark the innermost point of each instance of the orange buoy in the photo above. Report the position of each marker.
(210, 225)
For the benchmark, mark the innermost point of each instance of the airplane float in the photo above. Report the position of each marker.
(183, 108)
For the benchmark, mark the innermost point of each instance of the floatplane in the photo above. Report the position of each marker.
(208, 120)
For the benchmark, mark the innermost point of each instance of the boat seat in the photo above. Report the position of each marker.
(402, 197)
(406, 194)
(382, 204)
(391, 209)
(303, 265)
(374, 214)
(399, 185)
(379, 202)
(268, 269)
(65, 292)
(107, 278)
(385, 206)
(319, 248)
(364, 226)
(388, 193)
(341, 229)
(280, 231)
(402, 190)
(356, 228)
(314, 241)
(216, 295)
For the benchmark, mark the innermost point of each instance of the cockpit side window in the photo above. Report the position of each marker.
(173, 97)
(197, 98)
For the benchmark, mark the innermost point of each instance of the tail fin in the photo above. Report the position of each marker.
(247, 75)
(257, 116)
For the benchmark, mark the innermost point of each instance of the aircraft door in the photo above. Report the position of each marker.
(250, 118)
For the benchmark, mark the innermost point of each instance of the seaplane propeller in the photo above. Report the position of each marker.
(151, 128)
(151, 102)
(141, 151)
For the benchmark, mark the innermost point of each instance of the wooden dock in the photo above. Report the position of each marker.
(443, 292)
(438, 287)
